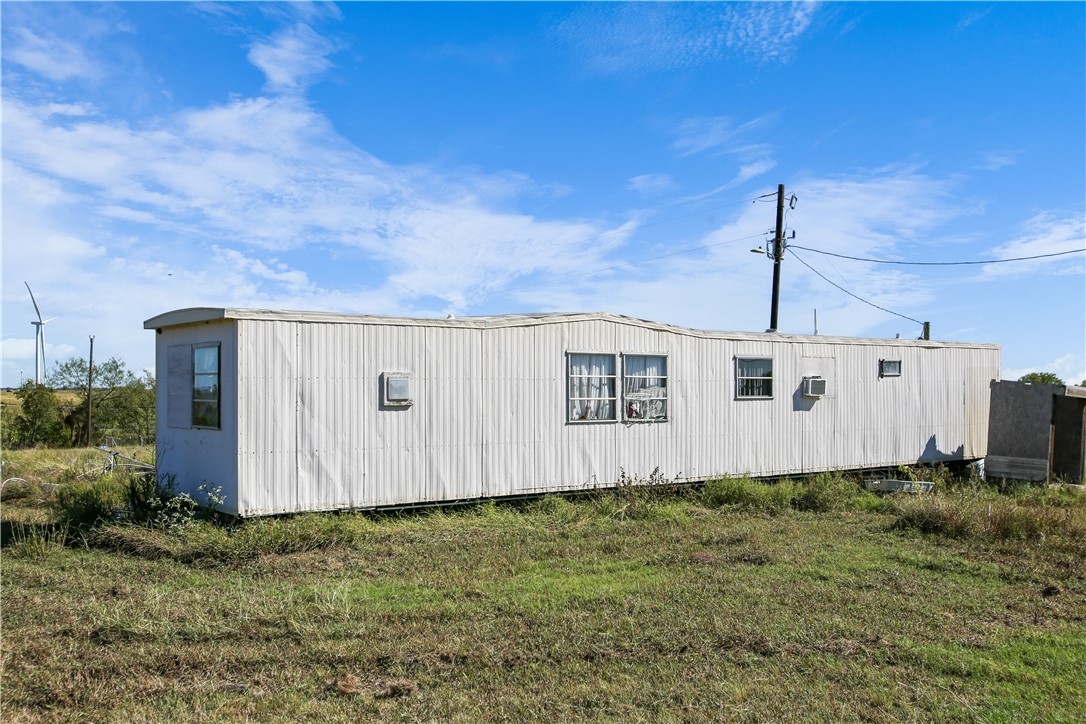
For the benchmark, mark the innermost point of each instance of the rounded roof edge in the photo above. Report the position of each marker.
(195, 315)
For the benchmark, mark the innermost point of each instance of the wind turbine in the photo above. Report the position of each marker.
(39, 338)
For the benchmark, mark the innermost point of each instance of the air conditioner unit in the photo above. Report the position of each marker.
(814, 387)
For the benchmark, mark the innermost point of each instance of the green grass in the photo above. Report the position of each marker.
(737, 601)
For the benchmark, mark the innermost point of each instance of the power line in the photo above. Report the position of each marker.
(854, 296)
(936, 263)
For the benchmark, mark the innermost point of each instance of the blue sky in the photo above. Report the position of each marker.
(435, 159)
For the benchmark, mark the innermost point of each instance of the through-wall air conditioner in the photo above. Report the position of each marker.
(814, 387)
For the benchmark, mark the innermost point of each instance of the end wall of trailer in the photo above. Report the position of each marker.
(186, 455)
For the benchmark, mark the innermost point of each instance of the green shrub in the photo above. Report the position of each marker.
(146, 497)
(939, 514)
(85, 504)
(826, 492)
(19, 490)
(748, 494)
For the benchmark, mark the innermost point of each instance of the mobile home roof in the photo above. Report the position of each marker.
(196, 315)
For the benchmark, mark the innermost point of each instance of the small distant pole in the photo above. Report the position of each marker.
(816, 322)
(927, 331)
(90, 391)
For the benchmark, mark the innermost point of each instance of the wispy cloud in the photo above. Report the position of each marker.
(293, 58)
(650, 184)
(972, 18)
(1045, 233)
(666, 36)
(879, 212)
(995, 160)
(271, 174)
(720, 134)
(55, 58)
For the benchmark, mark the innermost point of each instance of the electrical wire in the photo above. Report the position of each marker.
(936, 263)
(854, 296)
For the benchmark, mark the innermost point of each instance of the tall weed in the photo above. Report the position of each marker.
(995, 518)
(30, 540)
(83, 504)
(749, 494)
(826, 492)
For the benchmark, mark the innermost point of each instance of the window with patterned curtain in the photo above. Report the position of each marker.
(644, 387)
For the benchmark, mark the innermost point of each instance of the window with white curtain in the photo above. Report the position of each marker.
(644, 387)
(753, 377)
(591, 387)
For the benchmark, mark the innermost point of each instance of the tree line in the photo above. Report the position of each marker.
(54, 414)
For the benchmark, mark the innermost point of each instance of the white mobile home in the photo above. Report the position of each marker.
(294, 411)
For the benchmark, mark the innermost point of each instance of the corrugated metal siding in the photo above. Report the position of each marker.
(489, 417)
(432, 450)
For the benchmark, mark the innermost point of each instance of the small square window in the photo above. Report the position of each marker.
(591, 387)
(753, 378)
(889, 368)
(397, 389)
(644, 388)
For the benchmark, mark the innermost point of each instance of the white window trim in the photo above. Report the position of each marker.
(738, 379)
(667, 388)
(615, 377)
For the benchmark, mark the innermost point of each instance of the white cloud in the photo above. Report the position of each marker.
(50, 56)
(1069, 368)
(293, 280)
(650, 184)
(293, 58)
(18, 356)
(720, 133)
(972, 18)
(1045, 233)
(190, 207)
(995, 160)
(666, 36)
(746, 173)
(724, 286)
(768, 31)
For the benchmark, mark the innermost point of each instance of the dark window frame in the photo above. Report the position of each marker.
(747, 385)
(207, 398)
(884, 369)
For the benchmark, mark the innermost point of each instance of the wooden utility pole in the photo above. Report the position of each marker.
(778, 254)
(90, 392)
